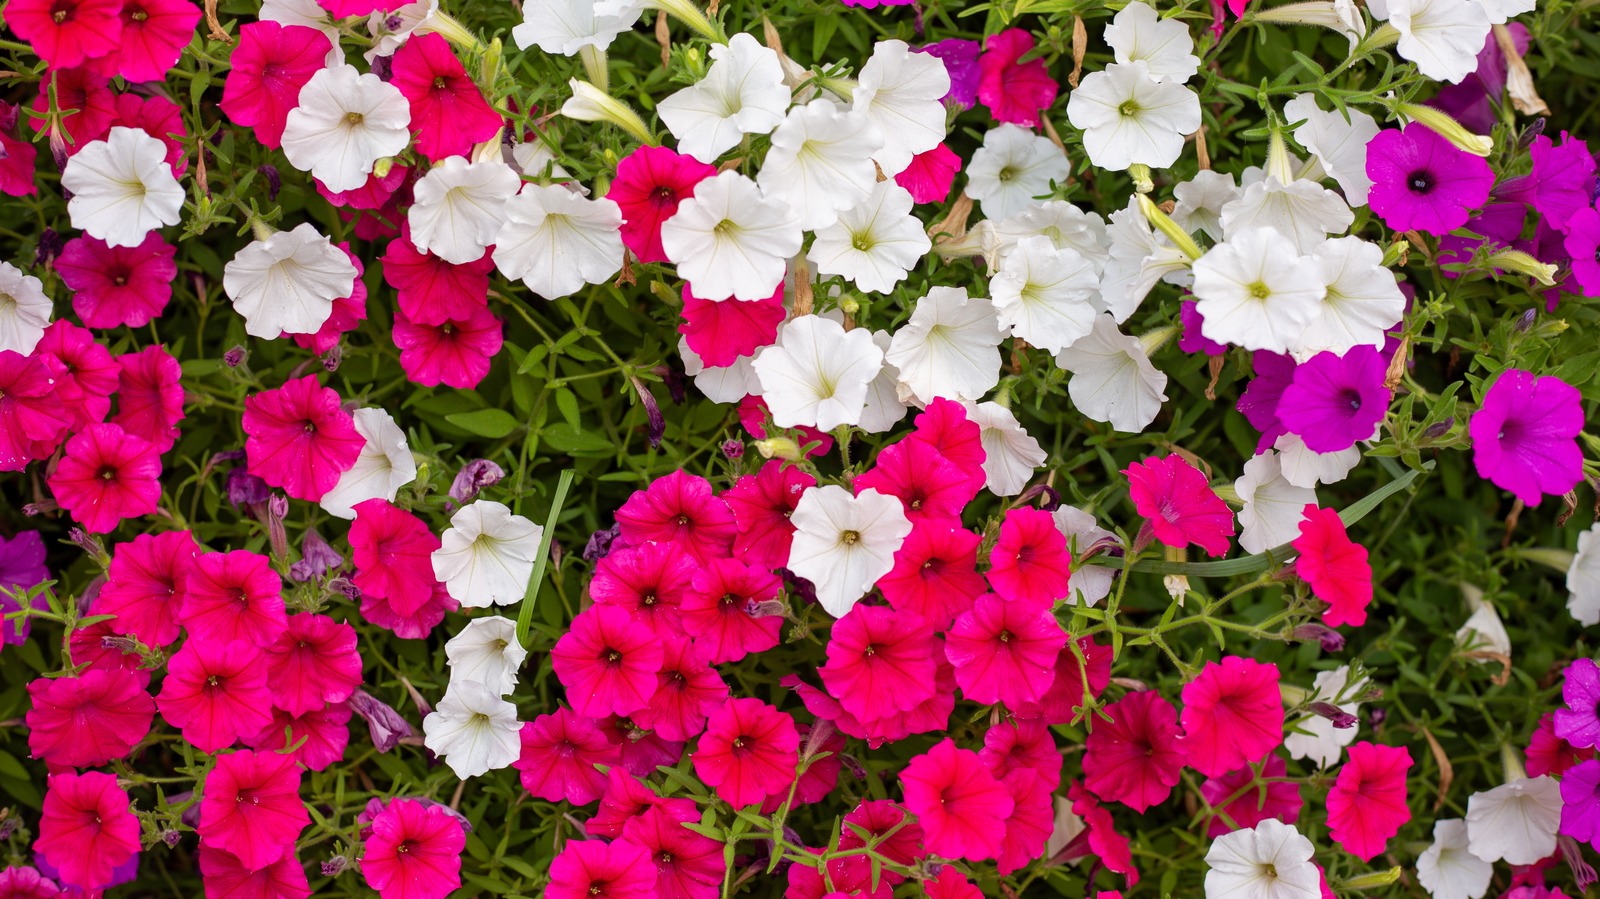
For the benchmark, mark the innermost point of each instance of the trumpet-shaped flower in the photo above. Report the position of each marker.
(1127, 117)
(556, 241)
(384, 465)
(1338, 140)
(122, 187)
(1442, 37)
(950, 347)
(1273, 507)
(487, 555)
(820, 162)
(288, 282)
(565, 27)
(731, 240)
(817, 374)
(902, 93)
(1447, 869)
(1257, 292)
(1044, 295)
(473, 730)
(1138, 33)
(1113, 379)
(743, 93)
(874, 243)
(24, 310)
(460, 208)
(1269, 861)
(345, 122)
(487, 652)
(1013, 166)
(844, 543)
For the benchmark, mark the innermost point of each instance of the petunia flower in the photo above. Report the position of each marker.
(26, 312)
(1336, 568)
(565, 27)
(142, 586)
(88, 720)
(106, 475)
(650, 581)
(730, 239)
(817, 373)
(1180, 506)
(742, 93)
(559, 755)
(1113, 379)
(299, 438)
(391, 549)
(1200, 201)
(880, 662)
(1301, 210)
(1012, 168)
(473, 730)
(1165, 46)
(1014, 91)
(114, 286)
(721, 332)
(595, 868)
(448, 112)
(231, 596)
(679, 508)
(1579, 722)
(688, 864)
(1583, 578)
(1420, 180)
(1045, 295)
(1139, 258)
(1367, 804)
(414, 851)
(1269, 861)
(288, 282)
(1273, 507)
(1523, 435)
(455, 352)
(1242, 799)
(749, 751)
(649, 185)
(487, 652)
(961, 807)
(688, 689)
(122, 187)
(1315, 737)
(929, 486)
(1332, 401)
(487, 555)
(1031, 822)
(1441, 36)
(1515, 822)
(1232, 714)
(874, 243)
(1004, 652)
(1362, 303)
(1030, 563)
(935, 573)
(1339, 142)
(844, 543)
(460, 208)
(384, 465)
(820, 162)
(1256, 291)
(214, 693)
(607, 662)
(902, 93)
(960, 58)
(1090, 583)
(930, 174)
(431, 291)
(950, 347)
(719, 609)
(86, 828)
(154, 33)
(1135, 756)
(251, 808)
(345, 122)
(86, 373)
(1128, 118)
(66, 34)
(556, 241)
(1447, 870)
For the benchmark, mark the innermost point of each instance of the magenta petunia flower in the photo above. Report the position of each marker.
(748, 752)
(649, 582)
(626, 797)
(156, 116)
(1549, 753)
(720, 333)
(650, 183)
(595, 869)
(414, 851)
(724, 610)
(86, 88)
(1017, 744)
(687, 689)
(560, 752)
(688, 865)
(224, 875)
(150, 396)
(251, 807)
(154, 33)
(1524, 435)
(393, 553)
(215, 693)
(268, 67)
(1334, 401)
(1100, 836)
(1271, 795)
(142, 586)
(1179, 504)
(455, 352)
(1089, 669)
(1004, 651)
(1259, 401)
(1031, 822)
(24, 882)
(947, 427)
(761, 504)
(22, 565)
(961, 806)
(299, 438)
(318, 737)
(233, 596)
(1232, 714)
(880, 662)
(1013, 91)
(17, 166)
(1422, 182)
(1030, 563)
(86, 830)
(431, 291)
(1136, 757)
(115, 286)
(1562, 182)
(32, 423)
(88, 720)
(1579, 722)
(884, 821)
(1335, 566)
(930, 175)
(65, 33)
(935, 573)
(1367, 804)
(607, 662)
(680, 508)
(1192, 340)
(960, 58)
(86, 372)
(929, 486)
(312, 662)
(642, 752)
(414, 624)
(448, 112)
(1582, 244)
(107, 475)
(1580, 803)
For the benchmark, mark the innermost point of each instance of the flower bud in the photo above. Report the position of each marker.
(1340, 718)
(778, 448)
(1331, 640)
(1174, 232)
(1372, 880)
(473, 477)
(1449, 129)
(733, 449)
(1523, 264)
(599, 545)
(591, 104)
(385, 724)
(235, 357)
(333, 867)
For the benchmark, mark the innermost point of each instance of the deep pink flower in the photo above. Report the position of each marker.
(142, 587)
(448, 112)
(1012, 91)
(1579, 722)
(1524, 435)
(340, 9)
(431, 291)
(932, 715)
(88, 645)
(415, 624)
(1031, 822)
(680, 508)
(688, 865)
(952, 884)
(86, 372)
(251, 806)
(456, 352)
(17, 168)
(1014, 745)
(1548, 753)
(559, 755)
(1334, 566)
(225, 877)
(626, 797)
(687, 689)
(1244, 800)
(827, 746)
(234, 596)
(319, 737)
(64, 33)
(150, 396)
(115, 286)
(1091, 663)
(154, 33)
(723, 611)
(268, 67)
(926, 483)
(719, 333)
(595, 869)
(1179, 505)
(851, 875)
(880, 818)
(935, 573)
(960, 805)
(1580, 797)
(1004, 651)
(642, 751)
(748, 752)
(414, 851)
(107, 475)
(312, 663)
(880, 662)
(393, 553)
(1100, 835)
(88, 720)
(1582, 245)
(1136, 757)
(26, 883)
(1367, 804)
(945, 425)
(930, 175)
(85, 88)
(156, 116)
(1232, 714)
(300, 438)
(215, 693)
(761, 504)
(347, 315)
(1334, 401)
(86, 830)
(607, 662)
(1420, 181)
(650, 183)
(1030, 563)
(649, 582)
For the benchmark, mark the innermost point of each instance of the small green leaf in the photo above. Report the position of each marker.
(567, 402)
(490, 423)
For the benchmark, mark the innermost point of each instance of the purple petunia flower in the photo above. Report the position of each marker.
(1562, 181)
(961, 61)
(1582, 244)
(1335, 400)
(317, 558)
(1259, 402)
(1192, 341)
(1498, 225)
(473, 477)
(21, 566)
(1580, 802)
(1524, 436)
(1579, 722)
(1420, 181)
(1470, 101)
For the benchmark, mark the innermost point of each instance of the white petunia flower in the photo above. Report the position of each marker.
(383, 467)
(1046, 296)
(1255, 291)
(1483, 629)
(1340, 144)
(1090, 583)
(1066, 227)
(1139, 258)
(743, 93)
(1273, 507)
(473, 730)
(1514, 822)
(1583, 579)
(310, 14)
(24, 310)
(1447, 870)
(1503, 11)
(1013, 166)
(1321, 742)
(564, 27)
(820, 162)
(391, 29)
(730, 240)
(555, 241)
(535, 159)
(345, 122)
(288, 282)
(1200, 202)
(1304, 468)
(1010, 453)
(1127, 117)
(723, 384)
(949, 347)
(1137, 33)
(875, 243)
(487, 555)
(460, 207)
(1303, 211)
(1443, 37)
(817, 374)
(884, 408)
(1363, 300)
(1112, 378)
(903, 94)
(843, 543)
(122, 187)
(486, 652)
(1269, 861)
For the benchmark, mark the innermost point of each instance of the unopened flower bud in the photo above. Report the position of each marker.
(1331, 640)
(385, 724)
(1525, 321)
(1448, 128)
(778, 448)
(1439, 428)
(733, 449)
(1340, 718)
(171, 838)
(50, 246)
(1523, 264)
(473, 477)
(274, 181)
(1371, 881)
(234, 357)
(591, 104)
(599, 545)
(335, 866)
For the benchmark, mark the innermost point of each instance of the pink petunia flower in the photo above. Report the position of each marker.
(1178, 503)
(154, 33)
(1243, 800)
(1580, 797)
(1232, 714)
(17, 167)
(414, 851)
(313, 662)
(851, 876)
(880, 662)
(749, 751)
(150, 396)
(456, 352)
(560, 752)
(88, 720)
(935, 573)
(649, 582)
(1136, 757)
(952, 884)
(268, 67)
(1003, 651)
(86, 830)
(1012, 91)
(1030, 563)
(86, 372)
(85, 88)
(687, 689)
(64, 33)
(755, 415)
(299, 438)
(761, 504)
(25, 882)
(107, 475)
(896, 839)
(224, 875)
(1013, 745)
(234, 596)
(318, 737)
(642, 751)
(650, 183)
(448, 112)
(393, 553)
(414, 624)
(215, 693)
(960, 805)
(930, 175)
(142, 586)
(1087, 670)
(595, 869)
(721, 332)
(926, 483)
(1031, 822)
(1548, 753)
(946, 426)
(1524, 435)
(156, 116)
(626, 797)
(251, 807)
(680, 508)
(115, 286)
(1100, 836)
(1334, 566)
(688, 865)
(722, 610)
(607, 662)
(431, 291)
(1367, 804)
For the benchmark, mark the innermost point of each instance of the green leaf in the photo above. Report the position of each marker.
(567, 402)
(490, 423)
